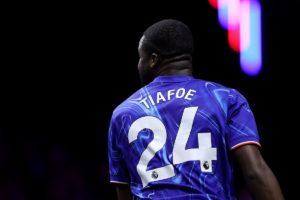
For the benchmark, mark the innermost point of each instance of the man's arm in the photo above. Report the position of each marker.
(259, 178)
(123, 192)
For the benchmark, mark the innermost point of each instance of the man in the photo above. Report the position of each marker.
(176, 137)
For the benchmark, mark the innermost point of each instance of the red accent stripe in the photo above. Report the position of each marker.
(245, 143)
(119, 182)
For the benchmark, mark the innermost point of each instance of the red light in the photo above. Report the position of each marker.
(234, 38)
(213, 3)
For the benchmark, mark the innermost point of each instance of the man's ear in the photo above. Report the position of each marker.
(154, 60)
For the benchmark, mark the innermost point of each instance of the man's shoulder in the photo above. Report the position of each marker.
(211, 85)
(129, 105)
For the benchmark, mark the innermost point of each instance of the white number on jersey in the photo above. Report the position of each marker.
(205, 153)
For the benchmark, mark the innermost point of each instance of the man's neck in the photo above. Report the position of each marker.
(179, 68)
(176, 72)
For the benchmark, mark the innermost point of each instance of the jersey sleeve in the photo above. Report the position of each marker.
(117, 166)
(241, 125)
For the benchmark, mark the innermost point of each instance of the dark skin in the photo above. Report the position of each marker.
(259, 178)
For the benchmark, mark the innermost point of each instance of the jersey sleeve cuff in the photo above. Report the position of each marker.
(245, 143)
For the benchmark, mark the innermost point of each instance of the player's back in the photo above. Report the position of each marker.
(170, 140)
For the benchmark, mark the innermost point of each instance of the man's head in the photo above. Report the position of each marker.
(165, 45)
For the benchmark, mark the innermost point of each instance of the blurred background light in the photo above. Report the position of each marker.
(251, 55)
(223, 13)
(213, 3)
(242, 20)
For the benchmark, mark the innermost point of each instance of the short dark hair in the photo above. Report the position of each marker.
(168, 38)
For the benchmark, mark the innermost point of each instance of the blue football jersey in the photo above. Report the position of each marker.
(171, 139)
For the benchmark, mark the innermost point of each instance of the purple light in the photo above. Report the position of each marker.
(223, 13)
(251, 54)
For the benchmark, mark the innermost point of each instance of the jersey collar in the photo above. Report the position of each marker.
(166, 79)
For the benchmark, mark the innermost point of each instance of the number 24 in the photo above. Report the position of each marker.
(205, 153)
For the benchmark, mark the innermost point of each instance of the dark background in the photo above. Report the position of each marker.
(66, 67)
